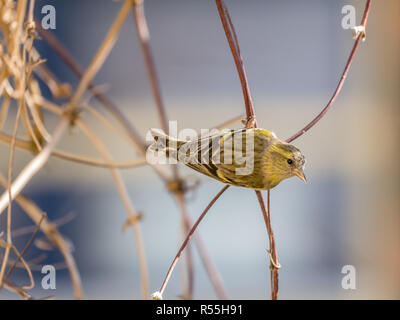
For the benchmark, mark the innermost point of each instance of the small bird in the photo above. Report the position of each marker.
(253, 158)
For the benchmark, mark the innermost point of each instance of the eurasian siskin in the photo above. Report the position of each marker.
(252, 158)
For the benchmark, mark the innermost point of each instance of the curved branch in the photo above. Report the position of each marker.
(341, 81)
(192, 230)
(27, 146)
(234, 45)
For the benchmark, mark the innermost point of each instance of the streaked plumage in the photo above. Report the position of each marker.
(215, 156)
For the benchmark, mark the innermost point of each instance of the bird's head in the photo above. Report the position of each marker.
(285, 161)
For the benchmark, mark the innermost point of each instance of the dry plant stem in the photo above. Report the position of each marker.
(29, 229)
(64, 54)
(9, 180)
(144, 39)
(25, 266)
(30, 12)
(132, 216)
(52, 233)
(341, 81)
(100, 56)
(29, 129)
(194, 227)
(212, 272)
(188, 292)
(28, 244)
(33, 264)
(234, 46)
(68, 59)
(13, 288)
(56, 87)
(40, 160)
(274, 264)
(58, 47)
(179, 197)
(27, 146)
(229, 123)
(20, 15)
(33, 167)
(106, 122)
(4, 110)
(21, 8)
(251, 122)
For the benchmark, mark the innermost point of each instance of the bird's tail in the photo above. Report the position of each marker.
(164, 143)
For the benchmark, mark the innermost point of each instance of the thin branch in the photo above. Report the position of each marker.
(211, 270)
(9, 180)
(52, 233)
(33, 166)
(144, 37)
(4, 110)
(274, 264)
(342, 78)
(106, 122)
(229, 123)
(28, 244)
(27, 146)
(188, 293)
(13, 288)
(57, 222)
(132, 215)
(65, 56)
(250, 122)
(234, 45)
(192, 230)
(41, 159)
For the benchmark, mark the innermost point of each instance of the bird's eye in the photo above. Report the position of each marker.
(290, 161)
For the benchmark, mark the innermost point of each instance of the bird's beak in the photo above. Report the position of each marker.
(300, 174)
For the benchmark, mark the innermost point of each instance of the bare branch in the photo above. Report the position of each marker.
(52, 233)
(40, 160)
(234, 45)
(341, 81)
(192, 230)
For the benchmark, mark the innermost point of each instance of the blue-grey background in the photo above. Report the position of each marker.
(294, 53)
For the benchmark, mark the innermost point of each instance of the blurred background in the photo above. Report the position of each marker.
(294, 53)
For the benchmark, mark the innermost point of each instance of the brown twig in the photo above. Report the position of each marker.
(174, 262)
(211, 270)
(27, 146)
(18, 290)
(179, 193)
(69, 60)
(126, 201)
(58, 47)
(52, 233)
(144, 40)
(9, 181)
(28, 244)
(234, 45)
(250, 122)
(274, 264)
(41, 158)
(64, 54)
(342, 78)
